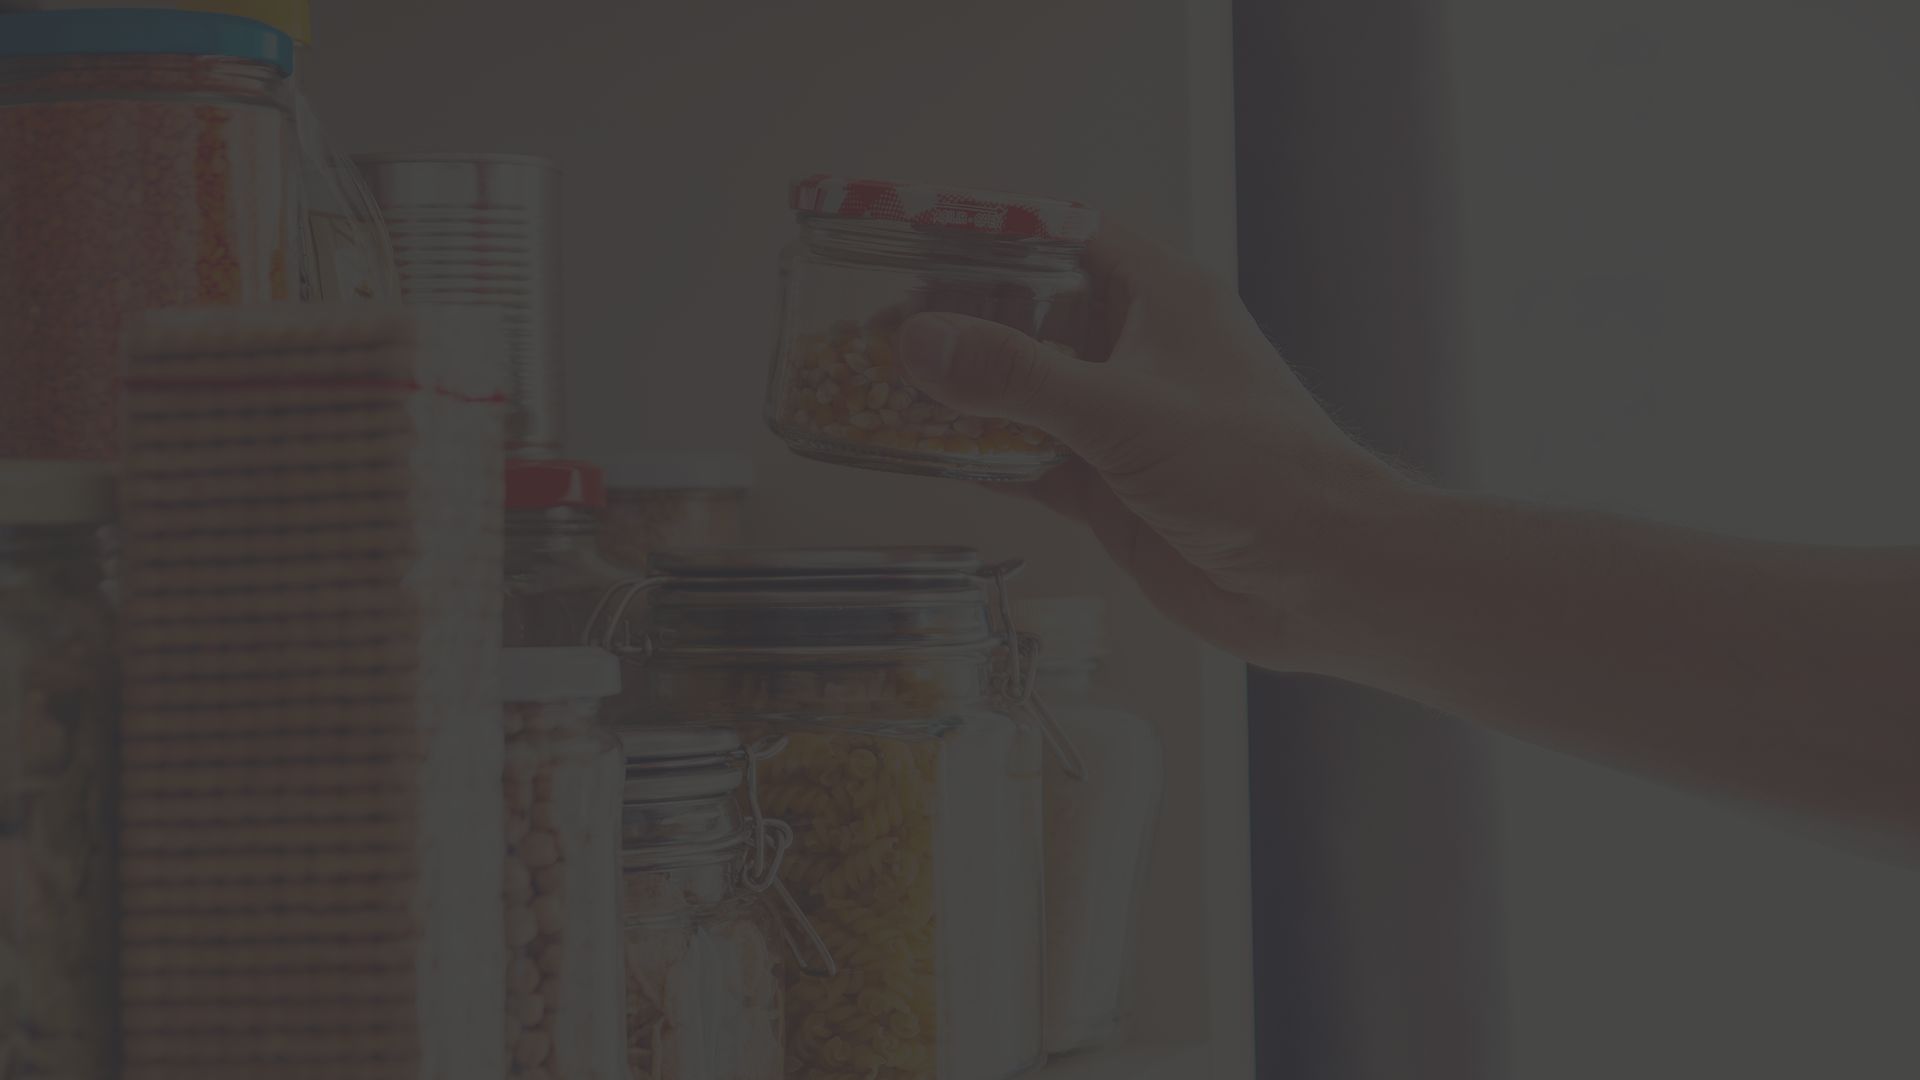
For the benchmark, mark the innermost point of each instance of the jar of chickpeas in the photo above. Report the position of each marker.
(912, 789)
(871, 253)
(705, 943)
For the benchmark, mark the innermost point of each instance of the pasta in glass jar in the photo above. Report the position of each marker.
(912, 792)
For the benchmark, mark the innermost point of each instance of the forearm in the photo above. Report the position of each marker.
(1773, 671)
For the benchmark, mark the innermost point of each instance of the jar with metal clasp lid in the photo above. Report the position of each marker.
(911, 782)
(707, 923)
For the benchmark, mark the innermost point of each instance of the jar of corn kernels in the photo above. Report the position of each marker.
(148, 159)
(870, 254)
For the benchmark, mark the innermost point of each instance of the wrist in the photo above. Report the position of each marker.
(1366, 575)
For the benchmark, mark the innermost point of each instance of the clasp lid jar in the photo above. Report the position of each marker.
(871, 253)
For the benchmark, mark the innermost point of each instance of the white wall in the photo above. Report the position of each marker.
(1691, 235)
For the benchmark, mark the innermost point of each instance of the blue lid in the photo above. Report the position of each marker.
(120, 32)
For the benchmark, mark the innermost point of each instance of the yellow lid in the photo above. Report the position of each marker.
(293, 18)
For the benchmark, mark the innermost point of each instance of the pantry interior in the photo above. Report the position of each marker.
(676, 148)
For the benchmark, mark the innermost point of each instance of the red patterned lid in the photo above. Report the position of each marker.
(552, 484)
(987, 213)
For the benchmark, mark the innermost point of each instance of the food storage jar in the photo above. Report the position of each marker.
(871, 253)
(58, 728)
(564, 772)
(348, 256)
(554, 572)
(150, 161)
(912, 789)
(1098, 828)
(709, 929)
(673, 499)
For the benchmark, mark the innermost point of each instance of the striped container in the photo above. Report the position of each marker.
(483, 230)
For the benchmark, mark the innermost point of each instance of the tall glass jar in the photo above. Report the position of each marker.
(348, 255)
(871, 253)
(555, 574)
(912, 791)
(59, 713)
(1099, 827)
(150, 161)
(562, 785)
(706, 948)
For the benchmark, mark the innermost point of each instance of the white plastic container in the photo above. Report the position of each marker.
(1098, 828)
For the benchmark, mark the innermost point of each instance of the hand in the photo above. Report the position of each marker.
(1202, 465)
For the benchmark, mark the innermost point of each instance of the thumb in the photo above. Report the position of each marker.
(986, 369)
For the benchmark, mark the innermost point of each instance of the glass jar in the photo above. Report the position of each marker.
(673, 499)
(706, 963)
(555, 575)
(150, 162)
(872, 253)
(912, 791)
(562, 784)
(59, 713)
(1099, 827)
(348, 256)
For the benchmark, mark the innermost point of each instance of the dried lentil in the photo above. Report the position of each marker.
(127, 183)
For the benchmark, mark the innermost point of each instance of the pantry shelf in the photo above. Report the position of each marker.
(1137, 1062)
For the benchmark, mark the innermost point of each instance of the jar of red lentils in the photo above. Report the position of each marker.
(148, 159)
(871, 253)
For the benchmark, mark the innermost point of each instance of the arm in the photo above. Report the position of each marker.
(1204, 468)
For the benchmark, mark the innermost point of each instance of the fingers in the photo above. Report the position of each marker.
(985, 369)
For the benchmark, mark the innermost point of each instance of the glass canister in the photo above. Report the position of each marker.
(673, 499)
(555, 575)
(59, 713)
(563, 780)
(147, 160)
(912, 790)
(1099, 827)
(871, 253)
(348, 256)
(706, 947)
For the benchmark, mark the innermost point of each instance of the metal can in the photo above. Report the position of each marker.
(483, 230)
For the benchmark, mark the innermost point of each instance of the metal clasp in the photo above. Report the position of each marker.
(772, 838)
(1023, 694)
(617, 635)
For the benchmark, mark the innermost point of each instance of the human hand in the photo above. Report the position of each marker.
(1202, 465)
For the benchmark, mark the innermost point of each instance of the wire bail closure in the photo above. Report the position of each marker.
(764, 874)
(617, 636)
(1023, 692)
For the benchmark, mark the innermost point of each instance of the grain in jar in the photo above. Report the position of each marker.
(564, 1019)
(148, 159)
(58, 724)
(872, 253)
(912, 791)
(710, 937)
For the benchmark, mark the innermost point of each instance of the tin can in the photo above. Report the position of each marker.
(483, 230)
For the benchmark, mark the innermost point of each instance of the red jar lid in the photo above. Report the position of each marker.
(984, 213)
(552, 484)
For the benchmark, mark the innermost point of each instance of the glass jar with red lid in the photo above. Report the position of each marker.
(869, 254)
(554, 572)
